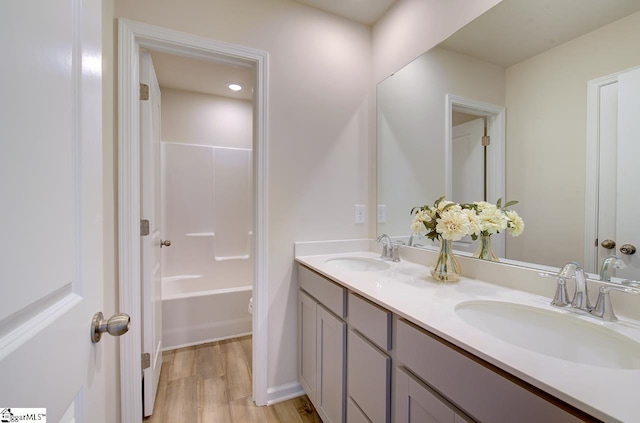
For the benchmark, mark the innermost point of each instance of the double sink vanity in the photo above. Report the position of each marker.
(381, 341)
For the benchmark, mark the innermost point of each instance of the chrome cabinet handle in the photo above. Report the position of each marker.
(165, 243)
(117, 325)
(608, 244)
(628, 249)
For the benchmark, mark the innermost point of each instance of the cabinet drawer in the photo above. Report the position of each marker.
(368, 378)
(481, 390)
(328, 293)
(371, 320)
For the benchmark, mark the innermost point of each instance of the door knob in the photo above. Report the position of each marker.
(628, 249)
(165, 243)
(117, 325)
(608, 244)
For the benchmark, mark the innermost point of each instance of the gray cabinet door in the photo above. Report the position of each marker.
(307, 346)
(369, 374)
(331, 340)
(415, 403)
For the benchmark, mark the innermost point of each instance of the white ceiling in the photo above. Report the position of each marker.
(515, 30)
(363, 11)
(512, 31)
(201, 76)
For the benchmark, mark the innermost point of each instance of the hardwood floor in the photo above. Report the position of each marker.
(211, 383)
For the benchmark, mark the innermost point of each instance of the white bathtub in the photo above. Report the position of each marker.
(192, 313)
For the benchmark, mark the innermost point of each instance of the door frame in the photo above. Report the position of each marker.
(131, 37)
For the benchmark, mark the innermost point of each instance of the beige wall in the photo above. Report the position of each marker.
(411, 128)
(319, 80)
(195, 118)
(321, 124)
(546, 133)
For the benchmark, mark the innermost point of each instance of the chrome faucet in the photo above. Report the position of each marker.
(389, 250)
(580, 302)
(606, 270)
(581, 296)
(580, 299)
(412, 238)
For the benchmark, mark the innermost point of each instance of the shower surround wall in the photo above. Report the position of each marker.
(207, 205)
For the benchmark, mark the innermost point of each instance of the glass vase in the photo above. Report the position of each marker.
(446, 267)
(484, 251)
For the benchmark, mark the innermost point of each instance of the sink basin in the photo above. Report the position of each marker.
(358, 264)
(552, 333)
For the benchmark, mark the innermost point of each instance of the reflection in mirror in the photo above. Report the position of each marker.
(536, 60)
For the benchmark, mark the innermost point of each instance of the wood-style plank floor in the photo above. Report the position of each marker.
(211, 383)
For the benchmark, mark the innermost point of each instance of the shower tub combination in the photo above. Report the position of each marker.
(207, 273)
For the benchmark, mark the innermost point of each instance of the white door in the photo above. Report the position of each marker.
(467, 164)
(150, 208)
(619, 171)
(51, 268)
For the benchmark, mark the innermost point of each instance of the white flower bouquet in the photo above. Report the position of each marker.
(487, 219)
(452, 221)
(444, 220)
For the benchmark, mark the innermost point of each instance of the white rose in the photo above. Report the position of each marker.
(453, 225)
(474, 222)
(516, 224)
(493, 220)
(417, 226)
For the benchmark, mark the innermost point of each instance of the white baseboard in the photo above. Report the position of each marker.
(284, 392)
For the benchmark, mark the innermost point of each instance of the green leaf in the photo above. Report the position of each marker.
(499, 203)
(511, 203)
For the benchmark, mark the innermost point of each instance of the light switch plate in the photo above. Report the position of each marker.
(361, 211)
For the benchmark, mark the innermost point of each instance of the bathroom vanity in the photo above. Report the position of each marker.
(382, 342)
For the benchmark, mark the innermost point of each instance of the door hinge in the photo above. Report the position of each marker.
(144, 92)
(144, 227)
(486, 140)
(146, 360)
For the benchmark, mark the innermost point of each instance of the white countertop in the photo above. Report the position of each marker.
(407, 289)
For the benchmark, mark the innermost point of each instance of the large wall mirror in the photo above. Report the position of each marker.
(557, 83)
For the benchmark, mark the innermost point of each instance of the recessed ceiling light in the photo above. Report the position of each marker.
(234, 87)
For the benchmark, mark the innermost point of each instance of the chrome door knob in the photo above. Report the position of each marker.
(117, 325)
(628, 249)
(608, 244)
(165, 243)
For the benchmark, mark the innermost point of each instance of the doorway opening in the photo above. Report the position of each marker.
(133, 37)
(487, 175)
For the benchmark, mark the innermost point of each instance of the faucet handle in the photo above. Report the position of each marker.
(561, 297)
(395, 251)
(604, 307)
